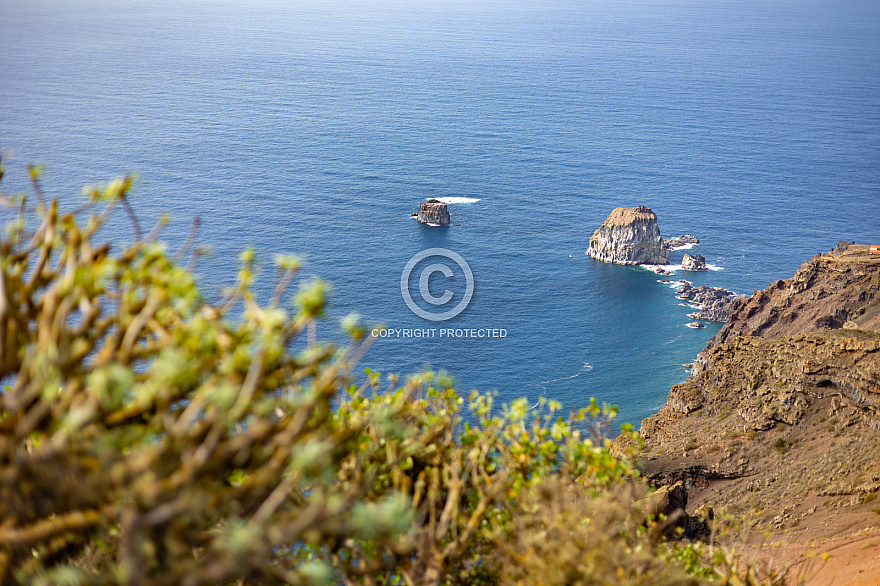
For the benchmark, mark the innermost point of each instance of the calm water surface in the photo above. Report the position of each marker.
(317, 128)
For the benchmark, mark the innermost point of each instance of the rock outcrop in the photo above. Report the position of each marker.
(658, 269)
(779, 418)
(769, 381)
(673, 243)
(696, 262)
(671, 502)
(714, 302)
(629, 236)
(433, 212)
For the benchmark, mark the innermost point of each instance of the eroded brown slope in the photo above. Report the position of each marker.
(830, 291)
(779, 422)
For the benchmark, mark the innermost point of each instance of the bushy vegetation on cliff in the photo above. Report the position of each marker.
(149, 436)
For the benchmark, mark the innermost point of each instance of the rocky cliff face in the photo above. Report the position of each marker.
(783, 408)
(769, 381)
(433, 211)
(840, 289)
(629, 236)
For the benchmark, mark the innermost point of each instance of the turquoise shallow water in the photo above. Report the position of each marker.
(317, 127)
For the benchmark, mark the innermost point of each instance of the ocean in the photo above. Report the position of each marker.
(317, 128)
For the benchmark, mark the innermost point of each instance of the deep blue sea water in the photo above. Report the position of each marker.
(316, 127)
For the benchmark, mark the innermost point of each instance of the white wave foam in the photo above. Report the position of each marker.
(587, 367)
(654, 268)
(676, 268)
(685, 246)
(562, 378)
(452, 200)
(435, 225)
(544, 394)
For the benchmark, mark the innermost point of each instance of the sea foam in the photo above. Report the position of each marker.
(451, 200)
(674, 268)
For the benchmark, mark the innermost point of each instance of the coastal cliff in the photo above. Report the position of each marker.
(629, 236)
(840, 289)
(778, 421)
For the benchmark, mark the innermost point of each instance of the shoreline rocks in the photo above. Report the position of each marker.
(433, 212)
(714, 302)
(659, 270)
(671, 243)
(629, 236)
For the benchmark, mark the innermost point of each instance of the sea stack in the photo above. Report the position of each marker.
(433, 212)
(630, 236)
(696, 262)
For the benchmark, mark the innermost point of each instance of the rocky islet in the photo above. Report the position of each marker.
(433, 212)
(696, 262)
(629, 236)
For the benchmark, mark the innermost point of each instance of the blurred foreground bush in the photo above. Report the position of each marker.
(148, 437)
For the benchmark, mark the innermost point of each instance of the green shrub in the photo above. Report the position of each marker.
(149, 436)
(559, 535)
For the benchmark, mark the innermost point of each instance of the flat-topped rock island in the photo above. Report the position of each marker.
(629, 236)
